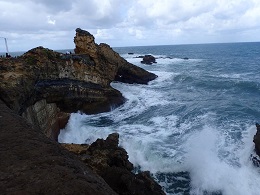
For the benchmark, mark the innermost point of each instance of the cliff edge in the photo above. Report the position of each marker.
(38, 91)
(31, 163)
(43, 85)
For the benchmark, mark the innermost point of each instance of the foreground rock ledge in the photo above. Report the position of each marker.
(111, 162)
(31, 163)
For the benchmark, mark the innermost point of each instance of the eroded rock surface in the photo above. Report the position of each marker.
(72, 82)
(43, 87)
(33, 164)
(111, 162)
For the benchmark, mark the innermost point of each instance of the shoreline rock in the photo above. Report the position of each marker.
(31, 163)
(67, 83)
(257, 139)
(148, 59)
(38, 90)
(111, 162)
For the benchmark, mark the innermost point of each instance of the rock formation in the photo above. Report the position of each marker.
(111, 162)
(31, 163)
(257, 139)
(66, 83)
(38, 90)
(148, 59)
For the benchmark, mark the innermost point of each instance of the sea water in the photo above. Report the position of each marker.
(193, 126)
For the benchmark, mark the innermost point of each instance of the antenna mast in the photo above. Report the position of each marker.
(6, 46)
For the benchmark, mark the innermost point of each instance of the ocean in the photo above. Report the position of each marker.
(193, 126)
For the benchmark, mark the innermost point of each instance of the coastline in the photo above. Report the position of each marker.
(43, 87)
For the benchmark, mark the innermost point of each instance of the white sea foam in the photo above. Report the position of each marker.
(78, 131)
(212, 173)
(160, 59)
(166, 143)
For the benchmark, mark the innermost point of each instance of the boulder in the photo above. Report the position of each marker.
(111, 162)
(148, 59)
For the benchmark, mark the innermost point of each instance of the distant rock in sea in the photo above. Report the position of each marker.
(148, 59)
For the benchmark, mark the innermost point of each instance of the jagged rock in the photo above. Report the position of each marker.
(113, 65)
(148, 59)
(43, 86)
(257, 139)
(52, 119)
(80, 81)
(31, 163)
(111, 162)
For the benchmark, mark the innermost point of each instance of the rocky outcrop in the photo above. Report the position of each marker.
(67, 83)
(114, 67)
(33, 164)
(148, 59)
(43, 86)
(111, 162)
(257, 139)
(46, 117)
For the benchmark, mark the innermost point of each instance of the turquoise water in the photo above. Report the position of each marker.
(193, 126)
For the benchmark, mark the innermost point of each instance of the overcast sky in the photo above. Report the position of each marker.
(52, 23)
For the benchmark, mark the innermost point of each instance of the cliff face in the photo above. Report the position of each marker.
(44, 86)
(114, 67)
(67, 83)
(33, 164)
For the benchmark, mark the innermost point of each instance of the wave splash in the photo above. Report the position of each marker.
(191, 127)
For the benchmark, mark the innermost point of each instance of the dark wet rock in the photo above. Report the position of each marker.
(257, 139)
(111, 162)
(255, 160)
(186, 58)
(130, 53)
(148, 59)
(31, 163)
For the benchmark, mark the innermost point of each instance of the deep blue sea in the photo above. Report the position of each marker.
(193, 126)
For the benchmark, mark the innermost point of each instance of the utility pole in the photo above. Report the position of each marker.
(6, 46)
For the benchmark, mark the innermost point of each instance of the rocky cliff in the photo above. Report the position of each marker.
(31, 163)
(65, 83)
(38, 90)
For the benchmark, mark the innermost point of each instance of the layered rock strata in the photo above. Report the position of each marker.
(67, 83)
(38, 90)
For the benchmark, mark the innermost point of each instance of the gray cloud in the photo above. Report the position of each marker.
(30, 23)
